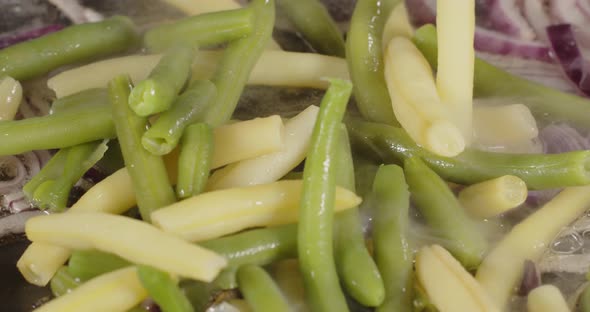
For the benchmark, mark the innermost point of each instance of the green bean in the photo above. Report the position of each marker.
(364, 53)
(315, 232)
(56, 131)
(202, 30)
(50, 188)
(74, 44)
(98, 97)
(163, 290)
(316, 25)
(260, 291)
(237, 62)
(392, 248)
(157, 93)
(489, 81)
(63, 282)
(87, 264)
(258, 246)
(444, 214)
(538, 171)
(584, 301)
(165, 133)
(356, 269)
(194, 161)
(147, 171)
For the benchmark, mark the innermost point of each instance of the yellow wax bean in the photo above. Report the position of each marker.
(398, 24)
(546, 298)
(447, 284)
(217, 213)
(119, 290)
(128, 238)
(503, 125)
(493, 197)
(271, 167)
(11, 94)
(502, 268)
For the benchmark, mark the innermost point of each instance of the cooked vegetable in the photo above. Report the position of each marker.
(546, 298)
(356, 269)
(473, 166)
(392, 248)
(247, 139)
(50, 188)
(163, 289)
(207, 29)
(11, 94)
(56, 131)
(455, 20)
(238, 60)
(501, 125)
(131, 239)
(365, 59)
(584, 300)
(214, 214)
(318, 201)
(444, 214)
(165, 133)
(88, 264)
(493, 197)
(271, 167)
(398, 24)
(147, 171)
(39, 56)
(157, 93)
(502, 268)
(63, 282)
(116, 291)
(447, 284)
(91, 98)
(194, 161)
(315, 23)
(492, 81)
(260, 291)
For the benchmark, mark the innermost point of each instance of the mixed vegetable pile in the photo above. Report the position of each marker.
(198, 211)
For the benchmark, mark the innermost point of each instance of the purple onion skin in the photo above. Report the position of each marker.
(567, 48)
(28, 35)
(531, 278)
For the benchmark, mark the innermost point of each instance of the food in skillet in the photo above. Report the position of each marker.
(210, 212)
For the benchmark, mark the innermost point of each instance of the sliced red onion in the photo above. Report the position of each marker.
(76, 12)
(571, 46)
(28, 35)
(536, 198)
(531, 278)
(567, 12)
(584, 6)
(548, 74)
(562, 138)
(535, 12)
(505, 17)
(15, 178)
(421, 12)
(498, 43)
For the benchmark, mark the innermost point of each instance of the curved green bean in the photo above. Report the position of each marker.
(260, 291)
(163, 290)
(73, 44)
(444, 214)
(163, 136)
(63, 282)
(98, 97)
(157, 93)
(315, 232)
(202, 30)
(56, 131)
(194, 161)
(392, 249)
(147, 171)
(538, 171)
(490, 81)
(316, 25)
(584, 301)
(87, 264)
(237, 62)
(356, 269)
(364, 53)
